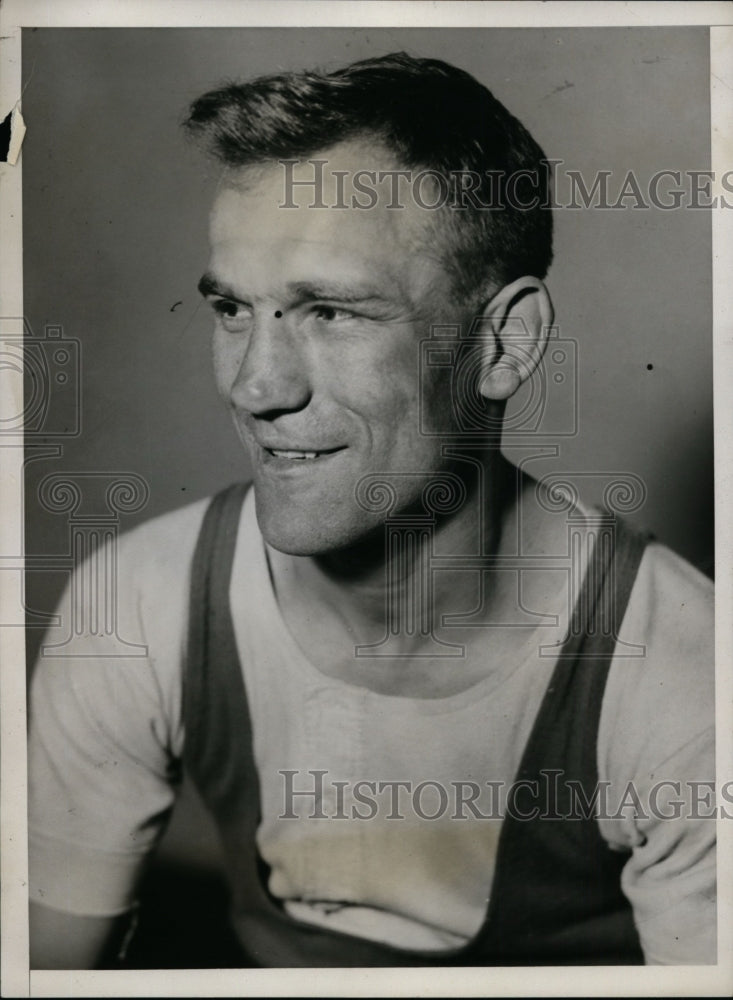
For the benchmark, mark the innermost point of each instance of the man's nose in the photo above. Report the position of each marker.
(272, 375)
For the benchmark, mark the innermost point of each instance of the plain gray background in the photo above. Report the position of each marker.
(115, 211)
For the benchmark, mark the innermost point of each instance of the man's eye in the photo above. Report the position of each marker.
(234, 316)
(331, 314)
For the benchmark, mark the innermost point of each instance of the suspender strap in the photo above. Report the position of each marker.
(218, 729)
(556, 896)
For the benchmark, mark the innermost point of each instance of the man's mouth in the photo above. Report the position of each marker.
(296, 456)
(299, 454)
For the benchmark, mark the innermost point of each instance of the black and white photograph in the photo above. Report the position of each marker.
(366, 532)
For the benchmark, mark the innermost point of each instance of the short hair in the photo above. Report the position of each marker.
(429, 115)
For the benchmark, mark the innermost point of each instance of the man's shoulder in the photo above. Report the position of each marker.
(661, 690)
(154, 559)
(165, 543)
(171, 535)
(669, 626)
(674, 600)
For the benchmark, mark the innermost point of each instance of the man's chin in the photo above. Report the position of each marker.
(290, 545)
(293, 542)
(309, 533)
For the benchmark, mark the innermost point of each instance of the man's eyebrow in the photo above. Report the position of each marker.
(301, 291)
(209, 285)
(310, 291)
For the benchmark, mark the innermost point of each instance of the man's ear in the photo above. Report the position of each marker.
(519, 317)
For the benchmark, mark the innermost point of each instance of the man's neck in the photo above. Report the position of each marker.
(375, 588)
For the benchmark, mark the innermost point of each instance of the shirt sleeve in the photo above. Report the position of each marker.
(106, 736)
(657, 752)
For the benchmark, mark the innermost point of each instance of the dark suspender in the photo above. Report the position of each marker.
(556, 896)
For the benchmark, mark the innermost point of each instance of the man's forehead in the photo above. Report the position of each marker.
(347, 159)
(253, 228)
(357, 181)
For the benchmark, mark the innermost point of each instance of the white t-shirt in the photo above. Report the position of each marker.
(107, 733)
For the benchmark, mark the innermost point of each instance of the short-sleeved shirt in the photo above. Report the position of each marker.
(107, 736)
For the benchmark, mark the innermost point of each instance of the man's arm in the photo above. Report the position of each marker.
(61, 940)
(104, 742)
(657, 749)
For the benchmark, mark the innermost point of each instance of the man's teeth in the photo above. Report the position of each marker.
(297, 455)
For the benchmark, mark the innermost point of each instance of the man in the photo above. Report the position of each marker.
(431, 730)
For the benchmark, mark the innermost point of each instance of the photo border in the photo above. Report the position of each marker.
(16, 980)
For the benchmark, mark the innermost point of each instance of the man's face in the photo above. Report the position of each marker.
(319, 318)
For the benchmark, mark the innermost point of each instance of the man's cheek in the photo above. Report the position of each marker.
(227, 355)
(222, 379)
